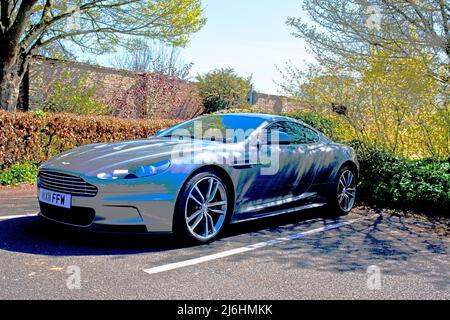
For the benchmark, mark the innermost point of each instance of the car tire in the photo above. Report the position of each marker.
(202, 208)
(343, 191)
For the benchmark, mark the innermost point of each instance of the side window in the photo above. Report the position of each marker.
(281, 126)
(302, 134)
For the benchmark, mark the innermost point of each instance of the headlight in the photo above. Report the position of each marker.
(136, 173)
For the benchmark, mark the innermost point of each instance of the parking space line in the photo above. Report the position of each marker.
(252, 247)
(19, 216)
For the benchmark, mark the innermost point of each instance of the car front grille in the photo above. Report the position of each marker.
(65, 183)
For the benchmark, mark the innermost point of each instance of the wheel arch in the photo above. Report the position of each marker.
(222, 173)
(332, 177)
(352, 165)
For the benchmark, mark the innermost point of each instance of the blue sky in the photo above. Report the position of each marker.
(249, 36)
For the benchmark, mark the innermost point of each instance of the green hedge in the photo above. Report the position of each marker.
(388, 180)
(18, 174)
(34, 137)
(315, 120)
(385, 179)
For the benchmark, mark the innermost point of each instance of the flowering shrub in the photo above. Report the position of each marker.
(157, 95)
(78, 97)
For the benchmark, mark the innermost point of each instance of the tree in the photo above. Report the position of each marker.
(355, 27)
(384, 67)
(95, 26)
(223, 89)
(390, 104)
(154, 57)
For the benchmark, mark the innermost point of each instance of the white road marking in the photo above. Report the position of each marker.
(252, 247)
(19, 216)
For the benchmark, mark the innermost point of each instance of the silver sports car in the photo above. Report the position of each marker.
(196, 177)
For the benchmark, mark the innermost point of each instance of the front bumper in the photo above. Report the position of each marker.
(135, 206)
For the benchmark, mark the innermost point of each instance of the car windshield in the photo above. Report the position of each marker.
(223, 128)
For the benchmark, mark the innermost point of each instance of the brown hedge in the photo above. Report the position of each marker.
(28, 137)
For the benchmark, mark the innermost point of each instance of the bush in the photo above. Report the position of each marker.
(19, 173)
(223, 89)
(317, 121)
(75, 97)
(390, 180)
(35, 137)
(158, 95)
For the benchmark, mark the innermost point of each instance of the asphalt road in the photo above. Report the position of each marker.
(361, 256)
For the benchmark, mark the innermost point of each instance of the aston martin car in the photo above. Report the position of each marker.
(198, 176)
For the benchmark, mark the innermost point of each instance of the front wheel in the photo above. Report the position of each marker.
(202, 208)
(344, 191)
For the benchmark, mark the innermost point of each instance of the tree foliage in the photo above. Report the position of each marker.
(383, 67)
(75, 97)
(355, 27)
(391, 104)
(96, 26)
(158, 96)
(223, 89)
(153, 57)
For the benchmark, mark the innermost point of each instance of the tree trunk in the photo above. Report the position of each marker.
(11, 75)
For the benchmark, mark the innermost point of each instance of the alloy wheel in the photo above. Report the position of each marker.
(346, 190)
(206, 208)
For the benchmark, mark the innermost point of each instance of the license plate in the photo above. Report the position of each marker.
(55, 198)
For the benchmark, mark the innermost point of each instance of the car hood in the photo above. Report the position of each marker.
(101, 157)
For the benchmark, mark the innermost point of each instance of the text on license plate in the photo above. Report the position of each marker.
(55, 198)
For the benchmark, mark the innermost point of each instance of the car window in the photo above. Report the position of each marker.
(299, 134)
(229, 128)
(302, 134)
(282, 126)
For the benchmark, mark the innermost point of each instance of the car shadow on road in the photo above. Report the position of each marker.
(34, 235)
(399, 244)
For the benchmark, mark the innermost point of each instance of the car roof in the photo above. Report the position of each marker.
(270, 118)
(264, 116)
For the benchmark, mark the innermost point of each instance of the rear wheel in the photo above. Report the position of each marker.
(202, 208)
(344, 191)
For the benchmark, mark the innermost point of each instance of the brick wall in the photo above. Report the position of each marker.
(45, 72)
(276, 104)
(128, 92)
